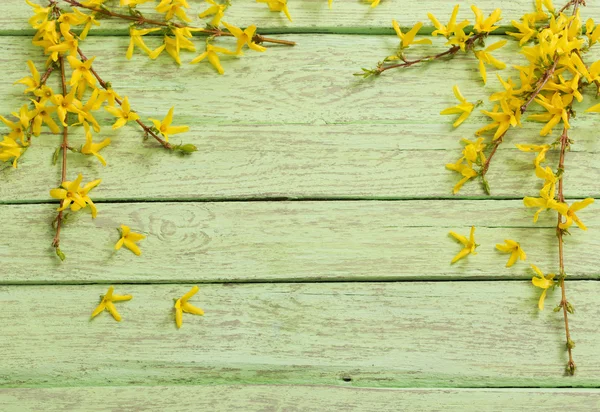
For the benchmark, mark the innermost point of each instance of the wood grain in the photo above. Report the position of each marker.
(283, 241)
(260, 135)
(266, 398)
(314, 16)
(440, 334)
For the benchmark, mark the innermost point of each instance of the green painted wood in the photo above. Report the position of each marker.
(294, 398)
(262, 136)
(283, 241)
(314, 16)
(440, 334)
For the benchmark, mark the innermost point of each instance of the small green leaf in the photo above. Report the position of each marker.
(60, 254)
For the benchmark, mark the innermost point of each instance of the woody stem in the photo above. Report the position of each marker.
(564, 144)
(486, 165)
(64, 146)
(142, 20)
(146, 129)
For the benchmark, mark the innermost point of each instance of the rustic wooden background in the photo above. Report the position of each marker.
(314, 218)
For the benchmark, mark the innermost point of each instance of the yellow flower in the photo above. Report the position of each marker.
(174, 45)
(595, 108)
(464, 108)
(525, 32)
(41, 114)
(515, 250)
(165, 127)
(40, 15)
(107, 303)
(69, 43)
(18, 128)
(69, 194)
(123, 114)
(374, 3)
(566, 86)
(572, 217)
(487, 25)
(541, 149)
(501, 120)
(557, 110)
(216, 10)
(182, 305)
(409, 38)
(211, 54)
(32, 82)
(469, 244)
(174, 8)
(244, 37)
(44, 93)
(136, 40)
(473, 151)
(485, 57)
(446, 31)
(88, 19)
(70, 19)
(543, 282)
(85, 116)
(592, 33)
(465, 170)
(82, 75)
(277, 5)
(129, 239)
(545, 201)
(91, 148)
(133, 3)
(65, 104)
(9, 149)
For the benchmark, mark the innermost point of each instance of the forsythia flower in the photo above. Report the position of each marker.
(593, 34)
(515, 250)
(129, 239)
(72, 195)
(107, 303)
(9, 149)
(82, 75)
(595, 108)
(136, 40)
(69, 43)
(211, 54)
(182, 305)
(446, 31)
(543, 282)
(469, 244)
(464, 108)
(123, 114)
(277, 5)
(525, 32)
(18, 128)
(465, 170)
(174, 8)
(409, 38)
(244, 37)
(32, 82)
(557, 108)
(65, 104)
(542, 149)
(485, 57)
(374, 3)
(91, 148)
(41, 114)
(545, 201)
(501, 120)
(216, 10)
(165, 128)
(133, 3)
(487, 25)
(473, 151)
(572, 217)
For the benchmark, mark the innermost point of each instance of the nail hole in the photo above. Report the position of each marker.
(347, 379)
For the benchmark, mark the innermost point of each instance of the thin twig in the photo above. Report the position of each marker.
(486, 165)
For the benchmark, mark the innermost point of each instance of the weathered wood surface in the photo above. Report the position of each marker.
(266, 398)
(346, 16)
(283, 241)
(419, 334)
(261, 136)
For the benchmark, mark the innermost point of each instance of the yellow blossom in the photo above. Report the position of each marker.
(487, 25)
(566, 86)
(547, 175)
(592, 33)
(545, 201)
(133, 3)
(465, 170)
(123, 114)
(501, 120)
(473, 151)
(91, 148)
(69, 43)
(43, 93)
(165, 128)
(174, 45)
(277, 5)
(9, 149)
(557, 108)
(83, 192)
(469, 244)
(174, 8)
(182, 305)
(409, 38)
(107, 95)
(515, 250)
(485, 57)
(41, 114)
(85, 115)
(19, 127)
(217, 10)
(65, 104)
(136, 40)
(69, 194)
(70, 19)
(572, 217)
(40, 15)
(464, 108)
(446, 31)
(82, 74)
(525, 32)
(540, 149)
(244, 37)
(32, 82)
(88, 20)
(129, 239)
(543, 282)
(211, 54)
(107, 303)
(595, 108)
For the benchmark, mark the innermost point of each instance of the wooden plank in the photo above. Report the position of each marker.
(260, 135)
(299, 398)
(440, 334)
(313, 15)
(274, 241)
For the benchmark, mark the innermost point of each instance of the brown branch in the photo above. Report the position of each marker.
(486, 165)
(146, 129)
(540, 84)
(64, 146)
(142, 20)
